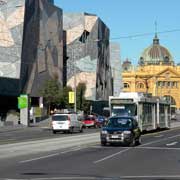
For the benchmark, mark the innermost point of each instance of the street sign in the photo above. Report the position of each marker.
(71, 97)
(23, 101)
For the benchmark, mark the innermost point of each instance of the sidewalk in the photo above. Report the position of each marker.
(175, 123)
(12, 128)
(45, 124)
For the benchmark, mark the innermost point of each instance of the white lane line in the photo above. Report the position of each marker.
(158, 136)
(157, 141)
(95, 178)
(150, 177)
(76, 149)
(171, 144)
(42, 157)
(158, 148)
(112, 155)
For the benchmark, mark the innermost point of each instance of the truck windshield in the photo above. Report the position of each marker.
(124, 110)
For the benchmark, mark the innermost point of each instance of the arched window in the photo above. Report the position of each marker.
(140, 85)
(126, 85)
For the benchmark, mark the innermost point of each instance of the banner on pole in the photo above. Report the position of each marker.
(71, 97)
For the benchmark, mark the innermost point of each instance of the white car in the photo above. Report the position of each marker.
(66, 123)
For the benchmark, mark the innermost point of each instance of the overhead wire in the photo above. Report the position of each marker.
(91, 63)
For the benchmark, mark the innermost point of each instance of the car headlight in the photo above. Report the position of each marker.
(127, 132)
(104, 132)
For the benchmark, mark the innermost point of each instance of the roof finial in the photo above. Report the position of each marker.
(155, 28)
(155, 40)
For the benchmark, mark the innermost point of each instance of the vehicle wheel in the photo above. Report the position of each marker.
(71, 130)
(54, 132)
(132, 143)
(95, 126)
(138, 141)
(81, 129)
(103, 143)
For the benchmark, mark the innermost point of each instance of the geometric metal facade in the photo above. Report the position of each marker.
(42, 55)
(11, 32)
(31, 45)
(87, 44)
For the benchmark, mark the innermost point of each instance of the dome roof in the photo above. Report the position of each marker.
(156, 54)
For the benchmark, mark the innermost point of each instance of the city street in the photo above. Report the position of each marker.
(34, 133)
(80, 156)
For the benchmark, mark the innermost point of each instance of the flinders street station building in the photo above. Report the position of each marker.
(156, 74)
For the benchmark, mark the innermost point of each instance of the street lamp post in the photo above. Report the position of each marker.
(74, 74)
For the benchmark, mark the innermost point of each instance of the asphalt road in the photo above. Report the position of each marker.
(34, 133)
(157, 158)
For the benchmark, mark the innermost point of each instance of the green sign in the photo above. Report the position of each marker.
(23, 101)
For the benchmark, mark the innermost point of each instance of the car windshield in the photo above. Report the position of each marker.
(120, 123)
(60, 118)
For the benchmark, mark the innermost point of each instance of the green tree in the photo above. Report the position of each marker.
(51, 92)
(56, 95)
(64, 98)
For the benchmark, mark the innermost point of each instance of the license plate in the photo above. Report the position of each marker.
(114, 136)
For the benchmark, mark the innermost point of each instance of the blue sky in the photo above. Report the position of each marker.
(131, 17)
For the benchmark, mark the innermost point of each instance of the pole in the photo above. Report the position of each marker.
(74, 61)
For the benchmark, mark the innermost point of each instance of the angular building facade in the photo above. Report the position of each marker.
(88, 58)
(116, 68)
(11, 28)
(31, 45)
(31, 48)
(42, 53)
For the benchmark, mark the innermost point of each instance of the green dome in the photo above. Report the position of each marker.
(156, 54)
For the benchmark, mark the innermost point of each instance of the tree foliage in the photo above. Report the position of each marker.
(57, 96)
(50, 91)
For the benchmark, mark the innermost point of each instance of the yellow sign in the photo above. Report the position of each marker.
(71, 97)
(37, 111)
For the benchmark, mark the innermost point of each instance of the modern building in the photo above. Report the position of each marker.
(156, 74)
(116, 68)
(31, 47)
(88, 54)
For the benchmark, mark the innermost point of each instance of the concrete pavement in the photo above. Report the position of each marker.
(45, 124)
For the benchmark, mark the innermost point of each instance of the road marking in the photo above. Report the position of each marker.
(158, 148)
(150, 177)
(171, 144)
(158, 136)
(107, 178)
(75, 149)
(42, 157)
(164, 139)
(112, 155)
(64, 178)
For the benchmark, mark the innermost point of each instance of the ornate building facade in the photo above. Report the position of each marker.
(156, 74)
